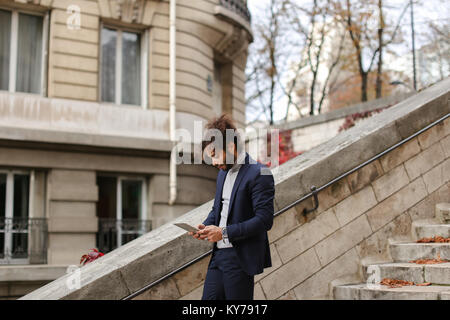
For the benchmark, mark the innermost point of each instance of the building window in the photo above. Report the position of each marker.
(14, 195)
(121, 210)
(23, 41)
(23, 239)
(123, 66)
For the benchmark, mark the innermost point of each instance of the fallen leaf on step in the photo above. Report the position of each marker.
(423, 284)
(395, 283)
(435, 239)
(430, 261)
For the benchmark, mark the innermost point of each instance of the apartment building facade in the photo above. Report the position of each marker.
(85, 120)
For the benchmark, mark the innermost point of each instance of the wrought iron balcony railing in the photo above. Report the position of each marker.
(23, 240)
(239, 7)
(113, 233)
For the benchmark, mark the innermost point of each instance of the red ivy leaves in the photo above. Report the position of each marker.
(91, 256)
(285, 147)
(350, 119)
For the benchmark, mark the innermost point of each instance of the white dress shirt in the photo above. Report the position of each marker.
(226, 194)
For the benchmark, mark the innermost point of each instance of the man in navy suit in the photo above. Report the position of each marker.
(239, 220)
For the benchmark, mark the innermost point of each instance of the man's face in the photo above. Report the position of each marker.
(219, 157)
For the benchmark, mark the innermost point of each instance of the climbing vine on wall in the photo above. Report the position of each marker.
(351, 119)
(285, 147)
(91, 256)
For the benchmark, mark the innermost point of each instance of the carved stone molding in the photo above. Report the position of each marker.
(38, 5)
(233, 43)
(31, 1)
(238, 38)
(130, 11)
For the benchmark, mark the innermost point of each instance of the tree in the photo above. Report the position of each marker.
(379, 83)
(437, 48)
(368, 42)
(266, 54)
(315, 24)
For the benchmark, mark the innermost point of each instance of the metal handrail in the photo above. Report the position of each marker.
(313, 193)
(24, 240)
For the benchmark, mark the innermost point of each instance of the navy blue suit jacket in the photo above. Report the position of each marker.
(250, 214)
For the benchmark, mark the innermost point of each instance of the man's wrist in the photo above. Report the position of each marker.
(224, 234)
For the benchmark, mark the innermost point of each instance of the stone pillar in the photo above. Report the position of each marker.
(37, 233)
(227, 87)
(72, 220)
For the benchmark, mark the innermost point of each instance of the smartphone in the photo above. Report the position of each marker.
(186, 227)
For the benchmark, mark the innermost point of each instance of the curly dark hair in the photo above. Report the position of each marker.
(222, 123)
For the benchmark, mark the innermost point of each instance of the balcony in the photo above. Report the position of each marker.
(237, 14)
(113, 233)
(23, 240)
(239, 7)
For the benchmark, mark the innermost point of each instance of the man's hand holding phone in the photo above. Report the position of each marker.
(211, 233)
(199, 235)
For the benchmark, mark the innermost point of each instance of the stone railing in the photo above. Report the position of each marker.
(353, 223)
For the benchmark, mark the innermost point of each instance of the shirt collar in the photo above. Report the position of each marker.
(239, 161)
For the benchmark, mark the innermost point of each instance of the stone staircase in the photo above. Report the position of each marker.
(402, 269)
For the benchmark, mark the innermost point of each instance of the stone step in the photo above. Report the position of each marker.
(442, 212)
(365, 291)
(374, 273)
(418, 273)
(405, 252)
(430, 228)
(437, 273)
(402, 269)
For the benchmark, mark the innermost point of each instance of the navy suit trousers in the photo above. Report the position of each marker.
(225, 278)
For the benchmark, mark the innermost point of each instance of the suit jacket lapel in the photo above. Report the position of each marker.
(221, 178)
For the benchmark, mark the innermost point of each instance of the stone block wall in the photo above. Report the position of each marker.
(72, 221)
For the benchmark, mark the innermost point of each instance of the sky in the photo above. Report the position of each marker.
(435, 10)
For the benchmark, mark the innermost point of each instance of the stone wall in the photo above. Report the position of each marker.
(72, 221)
(356, 217)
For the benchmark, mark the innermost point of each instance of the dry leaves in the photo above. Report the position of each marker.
(430, 261)
(395, 283)
(436, 239)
